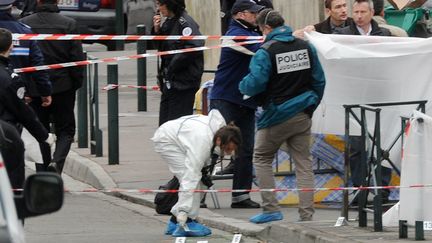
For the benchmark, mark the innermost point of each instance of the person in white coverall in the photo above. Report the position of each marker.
(187, 145)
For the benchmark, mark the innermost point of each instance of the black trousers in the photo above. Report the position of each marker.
(244, 118)
(12, 149)
(175, 103)
(61, 115)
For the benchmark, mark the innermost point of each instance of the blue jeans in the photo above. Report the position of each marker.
(244, 118)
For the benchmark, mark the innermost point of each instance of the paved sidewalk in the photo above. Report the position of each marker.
(140, 167)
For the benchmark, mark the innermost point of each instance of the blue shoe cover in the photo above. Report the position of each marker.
(266, 217)
(195, 230)
(170, 228)
(179, 232)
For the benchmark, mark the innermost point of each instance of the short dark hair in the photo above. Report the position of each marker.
(5, 40)
(270, 17)
(371, 4)
(378, 6)
(327, 3)
(227, 134)
(175, 6)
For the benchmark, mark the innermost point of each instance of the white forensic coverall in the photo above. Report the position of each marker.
(185, 144)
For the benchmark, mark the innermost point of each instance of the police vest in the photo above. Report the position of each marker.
(291, 70)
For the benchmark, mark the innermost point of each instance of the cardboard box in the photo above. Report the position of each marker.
(403, 4)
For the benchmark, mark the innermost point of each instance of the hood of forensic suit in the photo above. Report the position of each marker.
(216, 120)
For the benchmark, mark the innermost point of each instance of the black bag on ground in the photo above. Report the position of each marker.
(165, 200)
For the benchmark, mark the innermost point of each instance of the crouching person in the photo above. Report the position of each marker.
(187, 144)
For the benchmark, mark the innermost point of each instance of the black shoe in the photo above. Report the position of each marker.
(245, 204)
(229, 169)
(52, 167)
(203, 205)
(41, 167)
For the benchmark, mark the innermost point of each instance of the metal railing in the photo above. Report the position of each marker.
(376, 156)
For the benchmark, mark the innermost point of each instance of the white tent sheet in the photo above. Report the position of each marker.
(416, 169)
(370, 69)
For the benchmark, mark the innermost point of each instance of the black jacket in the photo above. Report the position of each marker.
(352, 30)
(26, 53)
(183, 70)
(48, 20)
(12, 106)
(326, 28)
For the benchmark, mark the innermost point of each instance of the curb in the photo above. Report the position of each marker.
(90, 172)
(87, 171)
(299, 234)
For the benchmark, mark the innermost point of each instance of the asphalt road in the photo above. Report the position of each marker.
(96, 218)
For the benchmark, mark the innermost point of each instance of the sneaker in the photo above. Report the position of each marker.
(195, 229)
(170, 228)
(245, 204)
(266, 217)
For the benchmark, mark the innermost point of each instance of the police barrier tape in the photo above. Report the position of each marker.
(360, 188)
(122, 58)
(116, 86)
(129, 37)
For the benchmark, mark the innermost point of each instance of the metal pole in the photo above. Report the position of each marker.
(113, 122)
(91, 108)
(378, 197)
(98, 132)
(82, 112)
(142, 70)
(362, 196)
(120, 28)
(347, 163)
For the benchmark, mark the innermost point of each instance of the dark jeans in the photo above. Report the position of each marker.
(244, 118)
(175, 103)
(61, 114)
(12, 149)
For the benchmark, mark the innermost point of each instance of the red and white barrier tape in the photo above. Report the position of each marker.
(252, 190)
(116, 86)
(129, 37)
(122, 58)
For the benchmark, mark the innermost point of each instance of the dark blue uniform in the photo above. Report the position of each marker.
(14, 113)
(26, 54)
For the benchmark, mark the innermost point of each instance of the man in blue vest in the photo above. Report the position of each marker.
(287, 75)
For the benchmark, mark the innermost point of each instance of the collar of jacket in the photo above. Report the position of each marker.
(5, 15)
(376, 30)
(48, 8)
(282, 33)
(380, 20)
(4, 61)
(244, 24)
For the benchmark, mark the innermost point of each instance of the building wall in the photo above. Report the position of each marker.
(207, 14)
(297, 13)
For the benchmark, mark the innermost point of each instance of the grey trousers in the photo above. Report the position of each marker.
(297, 135)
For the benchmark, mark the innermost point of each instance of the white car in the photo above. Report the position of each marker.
(42, 194)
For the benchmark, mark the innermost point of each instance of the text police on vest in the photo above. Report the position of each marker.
(292, 61)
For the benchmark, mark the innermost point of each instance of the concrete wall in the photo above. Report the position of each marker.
(299, 13)
(207, 14)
